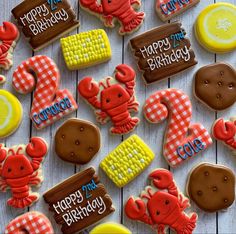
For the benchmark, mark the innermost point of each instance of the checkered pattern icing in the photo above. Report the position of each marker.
(47, 106)
(31, 222)
(176, 105)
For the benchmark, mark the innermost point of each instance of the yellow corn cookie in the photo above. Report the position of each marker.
(110, 228)
(10, 113)
(215, 27)
(127, 161)
(86, 49)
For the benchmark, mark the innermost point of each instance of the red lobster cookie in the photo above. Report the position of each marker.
(32, 223)
(20, 169)
(112, 10)
(114, 97)
(225, 131)
(49, 104)
(9, 34)
(182, 140)
(164, 207)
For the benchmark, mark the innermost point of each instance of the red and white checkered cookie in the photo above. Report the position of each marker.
(46, 94)
(176, 105)
(32, 223)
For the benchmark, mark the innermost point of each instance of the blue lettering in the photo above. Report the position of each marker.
(53, 4)
(169, 7)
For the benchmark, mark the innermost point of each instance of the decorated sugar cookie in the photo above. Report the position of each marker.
(162, 205)
(79, 201)
(50, 103)
(113, 98)
(211, 187)
(220, 79)
(167, 9)
(215, 27)
(44, 21)
(162, 52)
(124, 11)
(9, 35)
(32, 222)
(10, 113)
(182, 140)
(127, 161)
(20, 169)
(110, 228)
(86, 49)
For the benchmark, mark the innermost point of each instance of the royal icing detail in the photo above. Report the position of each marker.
(162, 205)
(163, 52)
(123, 11)
(20, 169)
(9, 35)
(167, 9)
(81, 205)
(43, 21)
(127, 161)
(115, 98)
(49, 104)
(10, 113)
(86, 49)
(182, 140)
(215, 27)
(225, 131)
(31, 222)
(110, 228)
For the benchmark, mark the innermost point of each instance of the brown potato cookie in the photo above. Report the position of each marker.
(211, 187)
(215, 85)
(77, 141)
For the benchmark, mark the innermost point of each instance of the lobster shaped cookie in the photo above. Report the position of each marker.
(114, 98)
(18, 172)
(164, 207)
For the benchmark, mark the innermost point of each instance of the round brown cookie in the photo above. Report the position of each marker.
(215, 85)
(211, 187)
(77, 141)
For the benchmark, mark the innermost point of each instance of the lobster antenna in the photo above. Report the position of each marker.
(146, 196)
(20, 148)
(102, 84)
(108, 82)
(11, 151)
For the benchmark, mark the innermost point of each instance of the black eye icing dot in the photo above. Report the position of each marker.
(167, 202)
(119, 95)
(107, 100)
(22, 168)
(9, 170)
(158, 212)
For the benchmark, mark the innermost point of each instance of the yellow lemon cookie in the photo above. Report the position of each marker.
(110, 228)
(215, 27)
(10, 114)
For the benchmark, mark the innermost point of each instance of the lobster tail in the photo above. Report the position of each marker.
(190, 226)
(22, 202)
(128, 126)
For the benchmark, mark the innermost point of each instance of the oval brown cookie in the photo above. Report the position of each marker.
(77, 141)
(211, 187)
(215, 85)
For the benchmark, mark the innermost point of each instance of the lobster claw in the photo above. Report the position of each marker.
(37, 148)
(3, 153)
(8, 32)
(224, 130)
(124, 73)
(135, 209)
(162, 179)
(87, 88)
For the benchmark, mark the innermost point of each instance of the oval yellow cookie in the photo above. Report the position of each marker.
(110, 228)
(10, 113)
(215, 27)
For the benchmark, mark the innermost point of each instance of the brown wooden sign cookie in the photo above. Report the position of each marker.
(77, 141)
(43, 21)
(220, 80)
(211, 187)
(79, 201)
(163, 52)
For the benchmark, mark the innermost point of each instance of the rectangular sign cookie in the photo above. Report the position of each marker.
(43, 21)
(79, 201)
(163, 52)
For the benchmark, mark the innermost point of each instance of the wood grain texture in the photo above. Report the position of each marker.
(55, 170)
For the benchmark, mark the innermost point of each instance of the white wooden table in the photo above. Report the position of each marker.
(55, 170)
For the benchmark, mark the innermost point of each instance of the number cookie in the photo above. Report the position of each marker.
(79, 201)
(110, 228)
(182, 140)
(32, 223)
(163, 207)
(111, 11)
(215, 27)
(11, 113)
(20, 169)
(115, 98)
(49, 104)
(211, 187)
